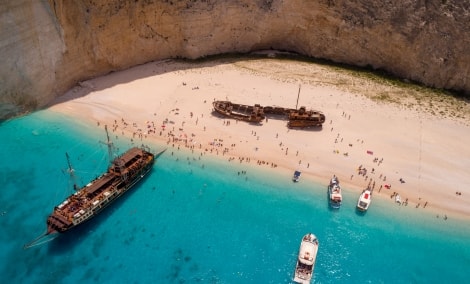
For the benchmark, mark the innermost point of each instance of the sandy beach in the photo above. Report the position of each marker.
(417, 150)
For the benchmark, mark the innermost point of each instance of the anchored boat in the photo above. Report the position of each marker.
(306, 259)
(124, 172)
(334, 192)
(364, 200)
(398, 199)
(296, 176)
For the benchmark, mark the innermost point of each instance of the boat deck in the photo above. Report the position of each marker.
(96, 194)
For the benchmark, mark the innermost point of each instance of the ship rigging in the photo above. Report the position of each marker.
(123, 173)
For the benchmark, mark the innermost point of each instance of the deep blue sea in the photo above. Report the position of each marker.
(198, 221)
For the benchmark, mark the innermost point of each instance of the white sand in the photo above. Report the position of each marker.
(427, 151)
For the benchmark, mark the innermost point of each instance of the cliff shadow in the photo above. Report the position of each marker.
(116, 77)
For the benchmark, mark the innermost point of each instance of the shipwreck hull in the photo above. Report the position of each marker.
(253, 114)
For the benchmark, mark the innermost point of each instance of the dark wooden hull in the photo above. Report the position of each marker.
(125, 172)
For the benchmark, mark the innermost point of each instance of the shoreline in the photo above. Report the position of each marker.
(136, 103)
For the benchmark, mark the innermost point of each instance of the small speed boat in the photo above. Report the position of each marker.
(364, 200)
(398, 199)
(334, 192)
(296, 176)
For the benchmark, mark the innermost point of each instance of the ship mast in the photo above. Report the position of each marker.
(109, 144)
(298, 95)
(71, 172)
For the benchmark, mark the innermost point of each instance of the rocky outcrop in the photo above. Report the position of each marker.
(48, 46)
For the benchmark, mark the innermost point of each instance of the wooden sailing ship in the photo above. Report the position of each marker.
(124, 172)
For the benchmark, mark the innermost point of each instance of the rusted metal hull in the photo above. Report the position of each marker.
(306, 118)
(253, 114)
(298, 118)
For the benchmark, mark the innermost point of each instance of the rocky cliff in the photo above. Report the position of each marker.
(48, 46)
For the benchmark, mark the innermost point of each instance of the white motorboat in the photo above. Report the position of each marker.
(398, 199)
(306, 259)
(364, 200)
(334, 193)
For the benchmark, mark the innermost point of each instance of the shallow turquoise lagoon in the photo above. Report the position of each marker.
(197, 220)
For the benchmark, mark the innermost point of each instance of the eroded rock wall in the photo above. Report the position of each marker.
(31, 52)
(48, 46)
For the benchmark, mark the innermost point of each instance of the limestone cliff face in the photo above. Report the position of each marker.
(48, 46)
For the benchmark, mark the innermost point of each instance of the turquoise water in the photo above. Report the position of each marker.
(198, 221)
